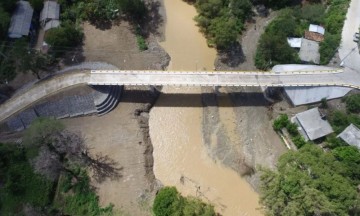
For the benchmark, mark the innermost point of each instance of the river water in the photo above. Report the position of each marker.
(180, 155)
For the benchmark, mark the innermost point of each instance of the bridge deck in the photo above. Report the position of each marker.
(293, 78)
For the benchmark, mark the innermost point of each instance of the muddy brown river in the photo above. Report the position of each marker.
(180, 155)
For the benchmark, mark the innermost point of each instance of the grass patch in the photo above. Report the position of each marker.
(141, 42)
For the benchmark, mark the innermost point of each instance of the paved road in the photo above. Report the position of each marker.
(41, 90)
(318, 78)
(348, 50)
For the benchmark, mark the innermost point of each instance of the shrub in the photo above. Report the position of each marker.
(281, 122)
(353, 103)
(65, 36)
(299, 141)
(292, 128)
(324, 103)
(168, 202)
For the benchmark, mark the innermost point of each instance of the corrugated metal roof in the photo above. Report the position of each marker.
(51, 24)
(51, 10)
(307, 95)
(312, 123)
(294, 42)
(351, 135)
(21, 20)
(317, 29)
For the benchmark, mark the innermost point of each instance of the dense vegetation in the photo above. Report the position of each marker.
(222, 20)
(283, 122)
(169, 201)
(292, 22)
(312, 182)
(44, 174)
(19, 184)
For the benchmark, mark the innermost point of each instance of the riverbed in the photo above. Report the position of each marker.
(181, 158)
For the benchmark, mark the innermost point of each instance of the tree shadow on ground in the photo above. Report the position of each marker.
(150, 23)
(233, 56)
(101, 24)
(104, 167)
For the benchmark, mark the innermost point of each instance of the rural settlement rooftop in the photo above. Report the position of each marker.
(313, 124)
(351, 135)
(317, 29)
(51, 10)
(21, 20)
(294, 42)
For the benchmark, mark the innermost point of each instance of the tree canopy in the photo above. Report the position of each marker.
(222, 20)
(309, 182)
(169, 201)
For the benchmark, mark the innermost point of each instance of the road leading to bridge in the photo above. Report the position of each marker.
(320, 77)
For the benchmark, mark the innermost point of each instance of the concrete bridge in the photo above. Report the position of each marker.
(320, 77)
(334, 77)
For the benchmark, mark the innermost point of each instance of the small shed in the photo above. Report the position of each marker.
(294, 42)
(50, 14)
(351, 135)
(21, 20)
(317, 29)
(309, 51)
(312, 124)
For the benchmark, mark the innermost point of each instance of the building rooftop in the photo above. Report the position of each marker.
(313, 124)
(309, 51)
(351, 135)
(307, 95)
(294, 42)
(51, 10)
(21, 20)
(317, 29)
(51, 24)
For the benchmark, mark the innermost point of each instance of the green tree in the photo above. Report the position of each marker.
(65, 36)
(308, 182)
(168, 202)
(281, 122)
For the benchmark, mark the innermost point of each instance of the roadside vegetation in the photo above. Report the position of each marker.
(169, 201)
(48, 173)
(292, 22)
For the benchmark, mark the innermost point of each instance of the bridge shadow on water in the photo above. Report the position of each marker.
(233, 99)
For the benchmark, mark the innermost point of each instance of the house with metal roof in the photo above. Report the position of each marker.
(312, 124)
(50, 15)
(21, 20)
(317, 29)
(351, 135)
